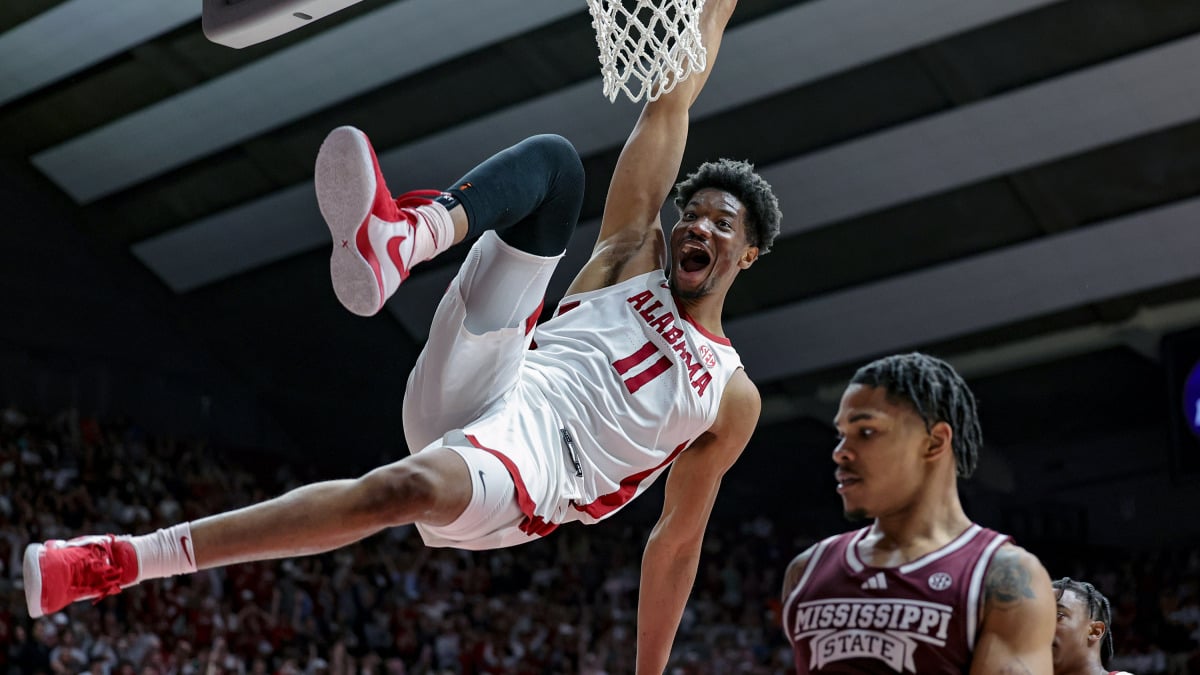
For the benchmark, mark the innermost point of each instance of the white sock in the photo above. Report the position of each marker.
(436, 234)
(165, 553)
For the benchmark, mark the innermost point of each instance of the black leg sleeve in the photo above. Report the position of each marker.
(530, 193)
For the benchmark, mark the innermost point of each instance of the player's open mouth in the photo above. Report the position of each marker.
(693, 258)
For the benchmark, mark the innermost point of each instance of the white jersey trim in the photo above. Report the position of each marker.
(958, 542)
(974, 590)
(852, 551)
(856, 563)
(808, 570)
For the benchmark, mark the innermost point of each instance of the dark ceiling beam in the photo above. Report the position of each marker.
(830, 36)
(1134, 253)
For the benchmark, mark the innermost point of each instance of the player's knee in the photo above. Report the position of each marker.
(399, 493)
(559, 153)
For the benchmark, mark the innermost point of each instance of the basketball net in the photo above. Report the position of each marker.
(647, 50)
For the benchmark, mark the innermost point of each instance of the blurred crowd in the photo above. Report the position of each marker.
(565, 604)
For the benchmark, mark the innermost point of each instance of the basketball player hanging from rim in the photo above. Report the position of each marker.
(922, 589)
(516, 430)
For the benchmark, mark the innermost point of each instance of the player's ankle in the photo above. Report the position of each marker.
(165, 553)
(434, 231)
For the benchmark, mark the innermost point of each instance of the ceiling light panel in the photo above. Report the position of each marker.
(367, 52)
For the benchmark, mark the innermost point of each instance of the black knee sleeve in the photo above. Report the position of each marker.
(530, 193)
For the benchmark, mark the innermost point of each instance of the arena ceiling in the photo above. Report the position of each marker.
(1013, 184)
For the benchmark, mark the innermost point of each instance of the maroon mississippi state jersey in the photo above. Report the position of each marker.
(845, 616)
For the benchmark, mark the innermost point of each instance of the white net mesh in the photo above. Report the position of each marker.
(647, 46)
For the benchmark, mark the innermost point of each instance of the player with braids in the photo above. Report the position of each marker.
(938, 393)
(922, 589)
(1083, 642)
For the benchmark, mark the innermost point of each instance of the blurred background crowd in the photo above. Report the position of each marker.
(565, 604)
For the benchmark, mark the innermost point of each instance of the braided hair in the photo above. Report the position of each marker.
(937, 392)
(1097, 607)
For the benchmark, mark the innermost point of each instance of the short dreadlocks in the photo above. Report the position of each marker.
(938, 393)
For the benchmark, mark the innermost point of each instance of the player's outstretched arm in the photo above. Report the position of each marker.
(673, 549)
(1018, 617)
(630, 240)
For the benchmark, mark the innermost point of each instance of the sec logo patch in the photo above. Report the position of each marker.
(940, 581)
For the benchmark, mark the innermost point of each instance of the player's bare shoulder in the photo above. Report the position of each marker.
(795, 570)
(1012, 578)
(741, 396)
(739, 411)
(1017, 596)
(723, 442)
(1018, 615)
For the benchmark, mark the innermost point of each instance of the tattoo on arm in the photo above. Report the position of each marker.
(1008, 581)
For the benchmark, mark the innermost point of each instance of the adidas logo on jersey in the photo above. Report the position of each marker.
(879, 582)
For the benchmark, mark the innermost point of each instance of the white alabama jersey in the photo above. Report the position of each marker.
(626, 380)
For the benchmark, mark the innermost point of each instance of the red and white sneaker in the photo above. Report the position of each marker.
(376, 239)
(59, 572)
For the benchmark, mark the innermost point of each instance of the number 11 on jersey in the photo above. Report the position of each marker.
(638, 380)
